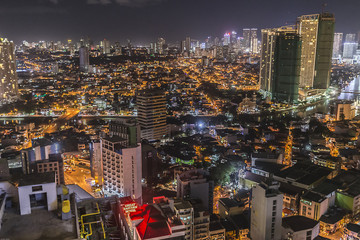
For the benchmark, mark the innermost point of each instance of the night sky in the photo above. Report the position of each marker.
(143, 21)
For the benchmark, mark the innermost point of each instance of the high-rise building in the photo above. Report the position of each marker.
(350, 46)
(106, 46)
(246, 36)
(317, 35)
(338, 39)
(188, 44)
(95, 161)
(84, 59)
(266, 211)
(227, 39)
(253, 40)
(151, 107)
(196, 184)
(280, 63)
(350, 37)
(160, 46)
(349, 50)
(233, 39)
(9, 83)
(121, 167)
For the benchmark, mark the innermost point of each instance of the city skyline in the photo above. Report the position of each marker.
(143, 21)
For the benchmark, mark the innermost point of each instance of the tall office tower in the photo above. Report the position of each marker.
(226, 41)
(350, 37)
(317, 34)
(350, 46)
(216, 41)
(160, 45)
(253, 40)
(106, 46)
(117, 48)
(151, 107)
(182, 46)
(233, 38)
(358, 37)
(84, 59)
(196, 184)
(246, 36)
(338, 38)
(121, 163)
(266, 211)
(280, 63)
(9, 83)
(188, 44)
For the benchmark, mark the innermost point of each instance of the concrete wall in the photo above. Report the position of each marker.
(301, 235)
(26, 191)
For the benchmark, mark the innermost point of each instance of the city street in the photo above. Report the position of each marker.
(336, 236)
(79, 177)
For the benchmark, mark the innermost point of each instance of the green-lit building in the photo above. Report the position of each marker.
(280, 63)
(287, 67)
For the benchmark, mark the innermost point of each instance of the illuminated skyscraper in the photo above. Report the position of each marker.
(226, 39)
(253, 40)
(9, 83)
(151, 107)
(350, 37)
(84, 59)
(188, 44)
(338, 38)
(280, 63)
(350, 46)
(160, 45)
(106, 46)
(233, 39)
(246, 36)
(317, 34)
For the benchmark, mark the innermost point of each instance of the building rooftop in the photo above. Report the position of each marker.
(193, 174)
(311, 196)
(181, 204)
(229, 203)
(353, 227)
(41, 142)
(298, 223)
(36, 178)
(215, 226)
(153, 225)
(326, 187)
(333, 215)
(114, 139)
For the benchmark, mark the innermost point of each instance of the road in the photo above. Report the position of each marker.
(56, 124)
(78, 177)
(336, 236)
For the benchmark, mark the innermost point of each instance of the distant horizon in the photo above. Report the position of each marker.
(143, 21)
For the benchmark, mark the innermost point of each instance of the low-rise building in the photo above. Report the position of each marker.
(37, 191)
(299, 228)
(351, 232)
